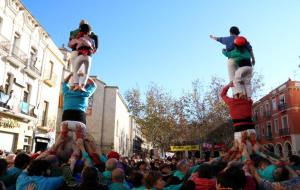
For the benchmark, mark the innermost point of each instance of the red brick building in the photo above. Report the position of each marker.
(277, 117)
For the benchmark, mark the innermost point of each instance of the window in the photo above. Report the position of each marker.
(274, 105)
(284, 122)
(27, 92)
(269, 129)
(45, 113)
(16, 43)
(276, 125)
(267, 107)
(33, 56)
(8, 83)
(281, 99)
(261, 111)
(1, 24)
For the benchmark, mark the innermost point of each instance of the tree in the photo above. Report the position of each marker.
(199, 115)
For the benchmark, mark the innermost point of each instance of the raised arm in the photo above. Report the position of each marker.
(213, 37)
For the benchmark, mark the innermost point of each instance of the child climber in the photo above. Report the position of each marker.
(229, 43)
(85, 46)
(241, 57)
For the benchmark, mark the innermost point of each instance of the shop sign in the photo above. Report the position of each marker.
(185, 148)
(8, 123)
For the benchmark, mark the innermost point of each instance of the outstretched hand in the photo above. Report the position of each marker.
(213, 37)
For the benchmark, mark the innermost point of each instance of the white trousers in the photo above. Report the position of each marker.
(78, 62)
(242, 80)
(231, 67)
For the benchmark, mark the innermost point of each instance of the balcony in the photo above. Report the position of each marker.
(21, 110)
(3, 99)
(31, 69)
(18, 57)
(4, 44)
(284, 131)
(282, 107)
(50, 79)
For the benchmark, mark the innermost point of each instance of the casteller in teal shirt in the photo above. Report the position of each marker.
(77, 100)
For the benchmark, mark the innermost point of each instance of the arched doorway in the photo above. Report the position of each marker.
(287, 148)
(278, 150)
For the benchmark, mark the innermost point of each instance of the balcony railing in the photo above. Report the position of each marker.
(284, 131)
(31, 65)
(282, 106)
(4, 43)
(3, 99)
(19, 54)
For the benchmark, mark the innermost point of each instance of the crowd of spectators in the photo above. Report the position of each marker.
(80, 166)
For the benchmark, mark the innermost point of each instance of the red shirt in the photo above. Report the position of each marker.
(238, 108)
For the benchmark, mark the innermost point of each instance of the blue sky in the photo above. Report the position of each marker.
(166, 41)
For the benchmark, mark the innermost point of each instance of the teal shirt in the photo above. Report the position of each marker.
(267, 173)
(42, 183)
(141, 188)
(194, 169)
(107, 177)
(237, 55)
(76, 100)
(118, 186)
(179, 174)
(173, 187)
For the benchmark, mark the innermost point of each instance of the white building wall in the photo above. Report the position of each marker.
(122, 128)
(15, 18)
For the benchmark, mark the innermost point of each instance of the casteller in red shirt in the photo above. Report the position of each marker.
(240, 111)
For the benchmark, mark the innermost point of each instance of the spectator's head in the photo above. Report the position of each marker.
(90, 175)
(188, 185)
(294, 160)
(154, 179)
(234, 31)
(233, 177)
(21, 161)
(263, 163)
(39, 168)
(53, 160)
(118, 175)
(10, 159)
(165, 169)
(217, 167)
(111, 164)
(183, 166)
(136, 178)
(281, 174)
(173, 180)
(142, 165)
(205, 171)
(3, 166)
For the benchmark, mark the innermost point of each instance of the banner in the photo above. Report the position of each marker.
(185, 148)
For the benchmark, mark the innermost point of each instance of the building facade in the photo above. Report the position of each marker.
(30, 70)
(277, 117)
